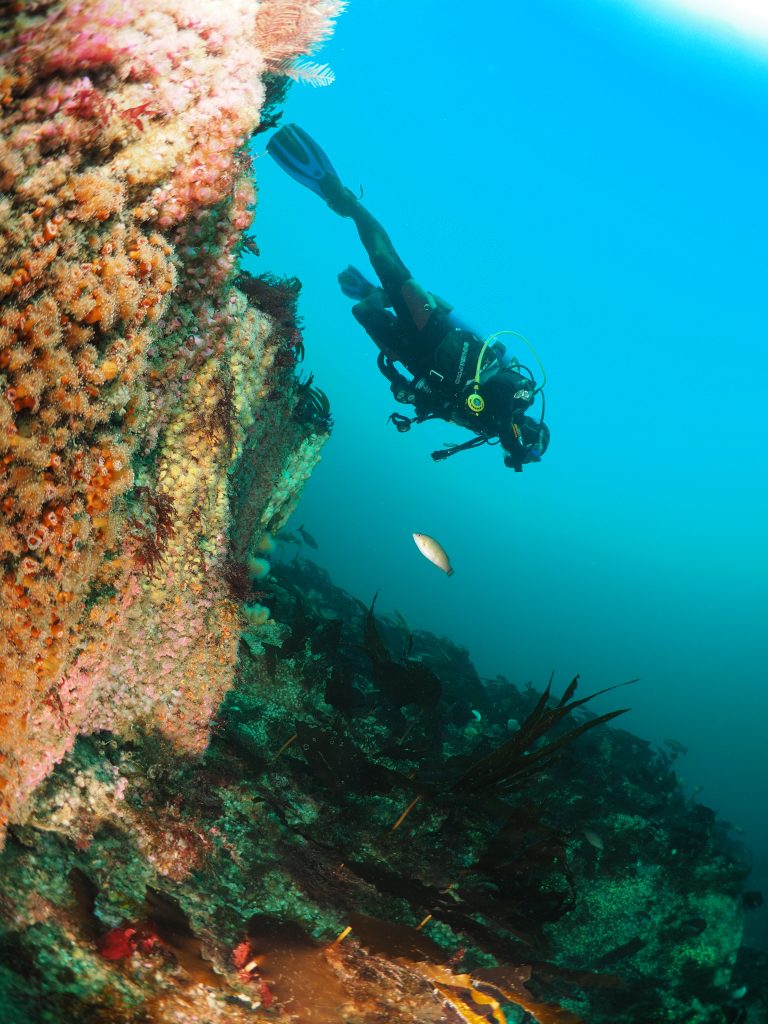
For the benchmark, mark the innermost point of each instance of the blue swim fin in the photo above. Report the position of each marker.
(300, 156)
(354, 284)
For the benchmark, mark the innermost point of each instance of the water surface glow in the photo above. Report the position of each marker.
(748, 18)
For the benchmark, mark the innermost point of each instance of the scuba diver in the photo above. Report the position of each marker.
(455, 375)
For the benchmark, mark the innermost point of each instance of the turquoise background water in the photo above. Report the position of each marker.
(596, 180)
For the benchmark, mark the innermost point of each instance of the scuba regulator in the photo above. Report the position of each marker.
(523, 439)
(510, 389)
(475, 402)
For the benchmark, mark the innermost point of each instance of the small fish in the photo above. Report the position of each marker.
(752, 899)
(288, 538)
(593, 838)
(308, 539)
(675, 746)
(433, 552)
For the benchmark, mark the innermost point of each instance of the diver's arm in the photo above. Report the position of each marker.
(398, 382)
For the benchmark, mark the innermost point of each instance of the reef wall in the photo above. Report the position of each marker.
(141, 391)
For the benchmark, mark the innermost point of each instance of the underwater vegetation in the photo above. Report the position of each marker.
(374, 833)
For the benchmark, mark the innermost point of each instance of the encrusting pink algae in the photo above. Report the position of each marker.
(132, 370)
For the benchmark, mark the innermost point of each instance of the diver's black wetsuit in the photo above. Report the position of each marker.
(456, 376)
(442, 356)
(415, 329)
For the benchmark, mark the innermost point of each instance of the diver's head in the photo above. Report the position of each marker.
(524, 444)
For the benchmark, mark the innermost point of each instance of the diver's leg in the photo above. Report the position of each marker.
(390, 269)
(409, 299)
(379, 323)
(305, 161)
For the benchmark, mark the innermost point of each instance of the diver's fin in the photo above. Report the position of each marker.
(354, 284)
(300, 156)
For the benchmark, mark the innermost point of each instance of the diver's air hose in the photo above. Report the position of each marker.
(497, 334)
(475, 401)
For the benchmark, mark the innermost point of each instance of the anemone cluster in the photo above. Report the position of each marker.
(131, 369)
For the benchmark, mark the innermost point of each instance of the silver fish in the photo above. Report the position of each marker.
(593, 838)
(433, 551)
(307, 537)
(675, 746)
(288, 538)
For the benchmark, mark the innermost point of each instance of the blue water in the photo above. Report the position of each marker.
(597, 181)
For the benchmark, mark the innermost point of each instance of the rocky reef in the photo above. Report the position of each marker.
(144, 397)
(374, 834)
(228, 790)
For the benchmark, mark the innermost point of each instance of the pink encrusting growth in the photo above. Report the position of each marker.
(126, 192)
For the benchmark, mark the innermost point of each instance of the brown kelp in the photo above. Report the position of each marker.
(525, 754)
